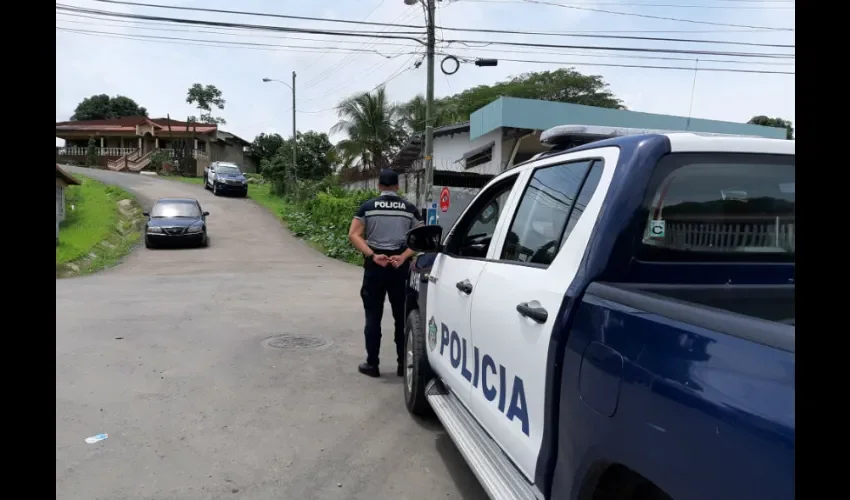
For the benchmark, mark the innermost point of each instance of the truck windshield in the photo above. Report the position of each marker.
(723, 206)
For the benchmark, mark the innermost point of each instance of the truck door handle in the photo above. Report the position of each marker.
(538, 314)
(464, 286)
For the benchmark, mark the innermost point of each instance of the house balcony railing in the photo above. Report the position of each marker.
(196, 153)
(117, 152)
(74, 151)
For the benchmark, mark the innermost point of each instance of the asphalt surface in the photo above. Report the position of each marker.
(168, 353)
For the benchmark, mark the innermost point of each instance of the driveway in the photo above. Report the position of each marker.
(169, 353)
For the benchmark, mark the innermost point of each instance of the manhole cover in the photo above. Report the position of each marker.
(294, 342)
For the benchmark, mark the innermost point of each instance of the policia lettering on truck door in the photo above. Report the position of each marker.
(379, 231)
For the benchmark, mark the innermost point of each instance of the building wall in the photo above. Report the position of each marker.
(226, 152)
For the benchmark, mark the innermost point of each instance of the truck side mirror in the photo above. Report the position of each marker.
(425, 238)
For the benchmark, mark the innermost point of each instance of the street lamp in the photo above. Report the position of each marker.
(294, 130)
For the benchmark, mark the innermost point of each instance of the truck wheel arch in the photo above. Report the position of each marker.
(613, 481)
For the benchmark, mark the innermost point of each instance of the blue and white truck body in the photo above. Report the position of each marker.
(616, 321)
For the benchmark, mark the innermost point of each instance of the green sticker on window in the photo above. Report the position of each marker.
(656, 228)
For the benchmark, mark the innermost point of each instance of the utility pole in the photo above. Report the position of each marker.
(429, 104)
(294, 130)
(294, 134)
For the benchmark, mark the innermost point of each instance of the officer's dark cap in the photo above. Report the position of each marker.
(388, 178)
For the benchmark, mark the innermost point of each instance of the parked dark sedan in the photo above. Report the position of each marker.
(176, 221)
(223, 178)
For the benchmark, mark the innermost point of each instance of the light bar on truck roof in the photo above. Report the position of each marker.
(590, 133)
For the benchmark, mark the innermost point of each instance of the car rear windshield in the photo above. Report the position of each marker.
(175, 209)
(711, 206)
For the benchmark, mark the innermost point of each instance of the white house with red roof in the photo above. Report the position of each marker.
(127, 143)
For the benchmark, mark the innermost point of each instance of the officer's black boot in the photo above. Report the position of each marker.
(369, 370)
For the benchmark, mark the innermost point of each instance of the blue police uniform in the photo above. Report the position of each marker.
(387, 219)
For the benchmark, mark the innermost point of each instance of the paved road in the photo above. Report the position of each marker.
(166, 354)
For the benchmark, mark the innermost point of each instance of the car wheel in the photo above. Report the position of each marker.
(148, 243)
(244, 194)
(417, 371)
(215, 189)
(205, 242)
(206, 184)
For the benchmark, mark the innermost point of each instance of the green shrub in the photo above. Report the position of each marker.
(320, 212)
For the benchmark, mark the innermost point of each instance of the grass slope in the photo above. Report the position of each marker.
(94, 229)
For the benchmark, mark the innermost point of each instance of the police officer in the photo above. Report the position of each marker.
(379, 231)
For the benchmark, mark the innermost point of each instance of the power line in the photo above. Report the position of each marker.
(244, 13)
(617, 37)
(360, 34)
(346, 60)
(263, 14)
(677, 68)
(624, 49)
(162, 28)
(106, 17)
(403, 69)
(223, 42)
(667, 5)
(314, 61)
(648, 16)
(623, 56)
(360, 47)
(464, 42)
(183, 41)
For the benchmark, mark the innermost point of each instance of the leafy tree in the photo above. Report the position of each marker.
(91, 153)
(373, 127)
(774, 122)
(265, 146)
(413, 114)
(205, 97)
(314, 160)
(102, 107)
(561, 85)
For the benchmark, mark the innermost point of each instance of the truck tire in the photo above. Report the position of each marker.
(417, 371)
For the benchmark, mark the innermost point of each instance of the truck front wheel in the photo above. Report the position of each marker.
(417, 372)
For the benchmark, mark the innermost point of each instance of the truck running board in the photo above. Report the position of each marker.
(500, 479)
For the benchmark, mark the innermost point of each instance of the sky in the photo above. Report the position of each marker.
(143, 61)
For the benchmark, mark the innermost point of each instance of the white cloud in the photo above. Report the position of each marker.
(157, 73)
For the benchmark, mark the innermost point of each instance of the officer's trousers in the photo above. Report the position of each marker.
(379, 282)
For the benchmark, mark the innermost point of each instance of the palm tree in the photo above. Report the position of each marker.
(371, 123)
(413, 114)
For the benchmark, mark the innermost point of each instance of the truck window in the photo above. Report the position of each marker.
(472, 235)
(587, 190)
(543, 213)
(721, 206)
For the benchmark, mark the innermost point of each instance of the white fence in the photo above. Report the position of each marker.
(778, 235)
(98, 151)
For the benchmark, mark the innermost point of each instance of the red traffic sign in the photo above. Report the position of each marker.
(445, 200)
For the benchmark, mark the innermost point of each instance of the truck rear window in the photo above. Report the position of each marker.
(726, 206)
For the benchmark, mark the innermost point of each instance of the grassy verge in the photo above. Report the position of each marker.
(97, 231)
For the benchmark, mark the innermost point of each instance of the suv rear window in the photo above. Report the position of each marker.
(711, 206)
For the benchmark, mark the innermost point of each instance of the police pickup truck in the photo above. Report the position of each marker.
(615, 320)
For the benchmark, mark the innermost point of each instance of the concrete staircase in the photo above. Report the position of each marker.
(131, 162)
